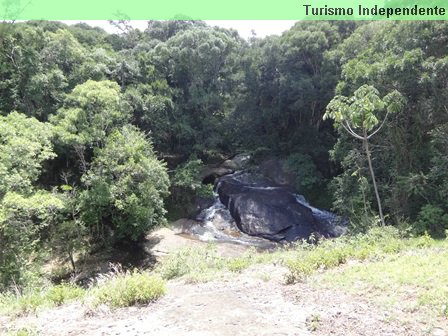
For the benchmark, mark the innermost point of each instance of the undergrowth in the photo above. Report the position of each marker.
(374, 245)
(120, 289)
(30, 299)
(116, 289)
(301, 258)
(124, 289)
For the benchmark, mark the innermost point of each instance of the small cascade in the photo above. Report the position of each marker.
(219, 226)
(251, 210)
(330, 221)
(321, 214)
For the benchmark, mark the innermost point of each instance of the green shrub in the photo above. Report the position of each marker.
(127, 289)
(125, 186)
(63, 293)
(238, 264)
(433, 220)
(29, 302)
(307, 176)
(186, 186)
(259, 154)
(174, 267)
(298, 270)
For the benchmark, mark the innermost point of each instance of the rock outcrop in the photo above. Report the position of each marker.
(262, 209)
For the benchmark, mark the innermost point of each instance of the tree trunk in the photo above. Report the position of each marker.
(380, 208)
(72, 261)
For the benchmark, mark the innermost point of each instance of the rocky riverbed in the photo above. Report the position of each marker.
(259, 207)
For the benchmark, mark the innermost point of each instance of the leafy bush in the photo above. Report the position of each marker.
(22, 221)
(433, 220)
(124, 289)
(186, 187)
(307, 176)
(63, 293)
(25, 143)
(186, 178)
(260, 153)
(126, 185)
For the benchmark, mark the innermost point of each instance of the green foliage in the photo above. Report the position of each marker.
(125, 186)
(260, 153)
(117, 289)
(358, 116)
(60, 294)
(238, 264)
(25, 144)
(34, 298)
(70, 234)
(410, 58)
(203, 264)
(375, 244)
(205, 92)
(359, 111)
(24, 331)
(152, 107)
(413, 280)
(313, 322)
(307, 176)
(62, 49)
(124, 289)
(438, 174)
(90, 113)
(22, 222)
(187, 177)
(191, 262)
(302, 259)
(433, 220)
(187, 186)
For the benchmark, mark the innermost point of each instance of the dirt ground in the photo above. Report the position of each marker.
(255, 302)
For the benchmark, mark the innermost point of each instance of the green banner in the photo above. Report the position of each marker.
(222, 10)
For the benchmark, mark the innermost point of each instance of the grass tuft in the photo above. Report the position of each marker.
(124, 289)
(32, 299)
(24, 331)
(374, 245)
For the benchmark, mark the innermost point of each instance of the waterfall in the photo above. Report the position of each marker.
(219, 226)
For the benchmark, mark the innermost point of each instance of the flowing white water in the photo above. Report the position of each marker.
(219, 226)
(323, 214)
(334, 223)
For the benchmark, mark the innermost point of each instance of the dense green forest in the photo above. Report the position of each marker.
(103, 135)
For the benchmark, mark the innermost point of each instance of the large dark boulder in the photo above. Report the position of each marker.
(272, 212)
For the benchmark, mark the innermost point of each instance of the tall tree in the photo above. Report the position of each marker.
(358, 117)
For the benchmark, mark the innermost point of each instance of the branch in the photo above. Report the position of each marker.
(350, 131)
(12, 57)
(380, 127)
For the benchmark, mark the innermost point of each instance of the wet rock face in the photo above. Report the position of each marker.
(261, 209)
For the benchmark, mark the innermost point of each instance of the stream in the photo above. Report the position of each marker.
(251, 210)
